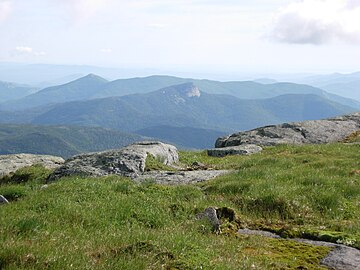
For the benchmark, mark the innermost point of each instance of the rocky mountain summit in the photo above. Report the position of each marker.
(306, 132)
(128, 161)
(11, 163)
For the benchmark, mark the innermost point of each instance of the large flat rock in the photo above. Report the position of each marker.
(245, 149)
(128, 161)
(181, 177)
(306, 132)
(11, 163)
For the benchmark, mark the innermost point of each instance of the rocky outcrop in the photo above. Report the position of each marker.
(307, 132)
(127, 161)
(11, 163)
(246, 149)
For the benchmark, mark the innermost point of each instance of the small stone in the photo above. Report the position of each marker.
(210, 214)
(44, 186)
(198, 166)
(3, 199)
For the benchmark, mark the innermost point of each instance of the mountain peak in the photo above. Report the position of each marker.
(92, 76)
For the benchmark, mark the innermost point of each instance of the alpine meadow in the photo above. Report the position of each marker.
(179, 135)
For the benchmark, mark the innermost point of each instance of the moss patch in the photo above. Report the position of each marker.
(354, 137)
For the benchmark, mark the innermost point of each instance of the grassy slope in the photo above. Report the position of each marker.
(113, 223)
(63, 141)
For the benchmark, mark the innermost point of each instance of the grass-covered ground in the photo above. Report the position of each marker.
(113, 223)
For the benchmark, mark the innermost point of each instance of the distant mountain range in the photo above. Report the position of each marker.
(347, 89)
(11, 91)
(190, 113)
(181, 105)
(62, 141)
(43, 75)
(346, 85)
(94, 87)
(81, 89)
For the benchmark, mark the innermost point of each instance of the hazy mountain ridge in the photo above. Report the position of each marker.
(93, 87)
(347, 89)
(346, 85)
(80, 89)
(11, 91)
(173, 106)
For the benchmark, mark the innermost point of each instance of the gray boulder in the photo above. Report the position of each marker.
(11, 163)
(127, 161)
(306, 132)
(246, 149)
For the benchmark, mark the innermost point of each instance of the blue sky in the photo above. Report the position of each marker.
(196, 35)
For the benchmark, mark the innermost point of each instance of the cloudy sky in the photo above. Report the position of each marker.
(194, 35)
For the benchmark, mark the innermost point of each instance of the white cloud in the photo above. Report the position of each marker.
(318, 22)
(5, 10)
(24, 50)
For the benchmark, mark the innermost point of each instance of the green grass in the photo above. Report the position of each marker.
(114, 223)
(34, 174)
(295, 189)
(155, 164)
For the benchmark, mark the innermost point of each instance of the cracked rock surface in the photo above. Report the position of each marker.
(306, 132)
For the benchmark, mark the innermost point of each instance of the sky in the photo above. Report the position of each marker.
(265, 36)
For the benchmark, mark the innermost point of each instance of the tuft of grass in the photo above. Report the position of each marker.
(155, 164)
(35, 173)
(13, 192)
